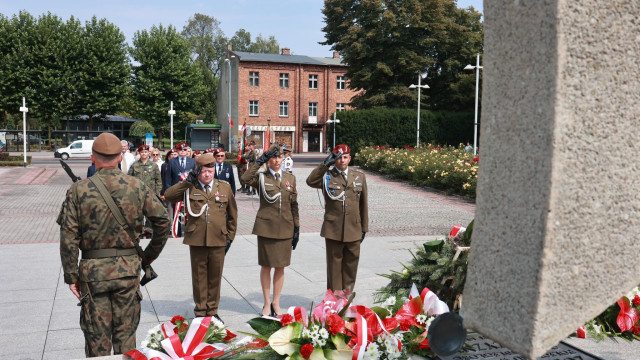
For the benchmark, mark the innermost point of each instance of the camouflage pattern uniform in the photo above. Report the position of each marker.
(149, 173)
(109, 286)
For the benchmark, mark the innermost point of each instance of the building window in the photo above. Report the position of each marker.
(254, 107)
(284, 80)
(313, 109)
(284, 108)
(313, 81)
(341, 107)
(254, 78)
(342, 83)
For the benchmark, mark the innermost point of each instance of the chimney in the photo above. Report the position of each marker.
(336, 55)
(286, 51)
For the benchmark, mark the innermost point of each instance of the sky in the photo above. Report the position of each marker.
(296, 24)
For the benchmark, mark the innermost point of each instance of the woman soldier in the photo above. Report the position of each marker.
(277, 224)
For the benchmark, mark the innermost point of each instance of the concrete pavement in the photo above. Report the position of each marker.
(39, 317)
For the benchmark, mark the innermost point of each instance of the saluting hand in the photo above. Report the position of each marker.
(266, 156)
(193, 175)
(332, 158)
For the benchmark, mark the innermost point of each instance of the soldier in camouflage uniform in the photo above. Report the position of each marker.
(147, 171)
(107, 278)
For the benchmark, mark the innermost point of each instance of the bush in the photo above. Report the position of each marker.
(14, 160)
(397, 127)
(445, 168)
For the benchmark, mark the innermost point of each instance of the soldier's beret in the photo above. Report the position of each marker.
(171, 151)
(345, 149)
(206, 160)
(196, 152)
(218, 151)
(143, 147)
(285, 149)
(208, 150)
(107, 144)
(182, 146)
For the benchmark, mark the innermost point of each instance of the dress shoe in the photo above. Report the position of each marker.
(262, 313)
(273, 312)
(218, 318)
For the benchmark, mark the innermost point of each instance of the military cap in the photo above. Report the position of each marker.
(345, 149)
(107, 144)
(171, 151)
(196, 152)
(143, 147)
(206, 160)
(285, 148)
(277, 147)
(218, 151)
(182, 146)
(208, 150)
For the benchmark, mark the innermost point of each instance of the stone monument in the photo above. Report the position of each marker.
(558, 203)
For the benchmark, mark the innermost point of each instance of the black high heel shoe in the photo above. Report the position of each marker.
(273, 311)
(262, 312)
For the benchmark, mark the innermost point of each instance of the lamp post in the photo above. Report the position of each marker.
(475, 119)
(419, 87)
(228, 61)
(24, 111)
(171, 112)
(334, 122)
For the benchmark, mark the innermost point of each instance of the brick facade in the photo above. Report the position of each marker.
(297, 129)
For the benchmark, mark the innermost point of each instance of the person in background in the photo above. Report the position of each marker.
(171, 154)
(224, 171)
(145, 170)
(287, 162)
(196, 154)
(468, 149)
(156, 158)
(277, 223)
(249, 157)
(127, 157)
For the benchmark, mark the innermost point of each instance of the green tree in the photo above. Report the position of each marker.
(140, 129)
(164, 72)
(241, 40)
(388, 43)
(104, 70)
(266, 46)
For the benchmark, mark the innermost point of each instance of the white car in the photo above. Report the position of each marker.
(77, 149)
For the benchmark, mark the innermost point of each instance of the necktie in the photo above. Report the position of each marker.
(182, 163)
(278, 178)
(219, 169)
(206, 187)
(344, 175)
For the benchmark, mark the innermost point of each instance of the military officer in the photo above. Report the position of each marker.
(346, 217)
(212, 218)
(146, 170)
(107, 278)
(277, 224)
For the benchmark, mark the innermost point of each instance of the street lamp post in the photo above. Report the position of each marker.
(419, 87)
(228, 61)
(24, 111)
(171, 112)
(334, 122)
(475, 119)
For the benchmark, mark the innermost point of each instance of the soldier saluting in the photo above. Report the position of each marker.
(107, 278)
(212, 218)
(346, 217)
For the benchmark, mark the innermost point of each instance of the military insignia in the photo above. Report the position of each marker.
(288, 185)
(357, 184)
(267, 184)
(196, 194)
(217, 198)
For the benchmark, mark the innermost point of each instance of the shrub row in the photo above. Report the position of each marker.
(446, 168)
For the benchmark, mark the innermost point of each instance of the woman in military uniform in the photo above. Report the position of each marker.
(147, 171)
(277, 223)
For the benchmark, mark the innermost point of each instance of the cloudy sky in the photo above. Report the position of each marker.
(296, 24)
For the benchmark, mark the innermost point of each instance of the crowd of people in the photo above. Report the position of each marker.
(128, 196)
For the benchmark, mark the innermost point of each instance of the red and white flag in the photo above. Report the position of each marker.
(230, 120)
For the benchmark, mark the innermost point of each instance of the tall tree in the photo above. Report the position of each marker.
(164, 73)
(241, 40)
(388, 43)
(104, 70)
(266, 46)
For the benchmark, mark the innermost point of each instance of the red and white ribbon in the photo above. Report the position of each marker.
(362, 342)
(176, 219)
(431, 304)
(299, 314)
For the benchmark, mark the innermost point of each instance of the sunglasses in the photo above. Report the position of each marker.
(155, 154)
(219, 155)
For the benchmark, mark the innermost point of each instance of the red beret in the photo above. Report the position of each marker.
(218, 151)
(345, 149)
(182, 146)
(143, 147)
(209, 150)
(171, 151)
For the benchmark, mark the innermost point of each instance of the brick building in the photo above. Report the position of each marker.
(295, 94)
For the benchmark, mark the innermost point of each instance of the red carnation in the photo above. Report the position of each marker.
(404, 324)
(306, 350)
(335, 324)
(286, 319)
(636, 300)
(176, 318)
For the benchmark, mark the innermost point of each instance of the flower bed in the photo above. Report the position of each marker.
(450, 169)
(621, 319)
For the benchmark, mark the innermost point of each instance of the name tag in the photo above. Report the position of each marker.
(267, 184)
(196, 194)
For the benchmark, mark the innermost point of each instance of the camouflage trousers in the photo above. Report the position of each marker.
(110, 315)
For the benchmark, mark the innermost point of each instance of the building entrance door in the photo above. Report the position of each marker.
(314, 141)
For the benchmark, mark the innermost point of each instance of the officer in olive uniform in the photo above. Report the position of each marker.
(212, 218)
(249, 157)
(107, 278)
(346, 217)
(147, 171)
(277, 222)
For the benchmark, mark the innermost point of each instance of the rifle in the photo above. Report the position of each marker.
(69, 172)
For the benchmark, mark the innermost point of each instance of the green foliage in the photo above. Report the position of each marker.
(140, 129)
(397, 127)
(264, 327)
(165, 73)
(388, 43)
(432, 266)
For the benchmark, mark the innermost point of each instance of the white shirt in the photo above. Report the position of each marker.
(204, 186)
(274, 173)
(127, 160)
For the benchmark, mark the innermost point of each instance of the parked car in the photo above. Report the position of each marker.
(77, 149)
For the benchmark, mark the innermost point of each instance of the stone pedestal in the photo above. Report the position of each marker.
(557, 217)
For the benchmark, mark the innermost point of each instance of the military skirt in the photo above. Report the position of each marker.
(274, 252)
